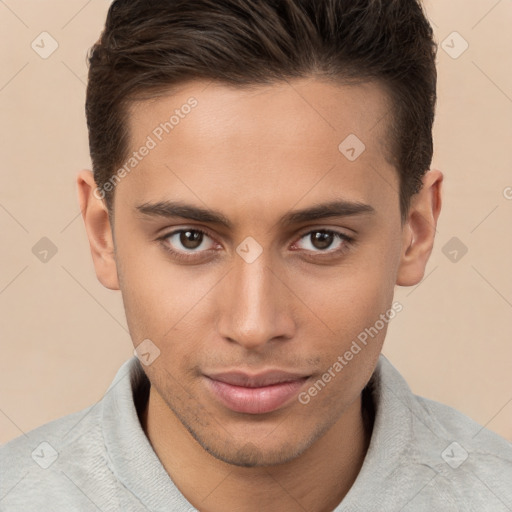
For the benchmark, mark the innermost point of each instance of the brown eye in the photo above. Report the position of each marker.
(191, 239)
(324, 241)
(321, 239)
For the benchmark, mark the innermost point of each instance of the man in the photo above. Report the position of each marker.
(261, 183)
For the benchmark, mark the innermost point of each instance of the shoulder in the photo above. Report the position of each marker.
(22, 451)
(470, 464)
(68, 463)
(41, 468)
(47, 457)
(467, 442)
(429, 420)
(451, 422)
(454, 460)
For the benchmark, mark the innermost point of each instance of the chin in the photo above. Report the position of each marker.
(250, 456)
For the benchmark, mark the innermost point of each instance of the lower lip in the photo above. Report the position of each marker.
(255, 400)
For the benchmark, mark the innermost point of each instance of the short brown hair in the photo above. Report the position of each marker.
(148, 46)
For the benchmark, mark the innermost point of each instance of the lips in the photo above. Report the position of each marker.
(254, 394)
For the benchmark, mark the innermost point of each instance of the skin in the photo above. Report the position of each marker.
(254, 155)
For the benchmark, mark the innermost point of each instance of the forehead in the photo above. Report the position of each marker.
(288, 109)
(232, 145)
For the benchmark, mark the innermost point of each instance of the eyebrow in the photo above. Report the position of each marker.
(172, 209)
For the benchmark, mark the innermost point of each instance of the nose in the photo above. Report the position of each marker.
(255, 305)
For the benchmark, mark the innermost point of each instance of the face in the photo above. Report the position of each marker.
(249, 245)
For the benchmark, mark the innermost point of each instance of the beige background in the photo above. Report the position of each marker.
(63, 336)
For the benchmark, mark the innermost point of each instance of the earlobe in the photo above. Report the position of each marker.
(99, 232)
(419, 230)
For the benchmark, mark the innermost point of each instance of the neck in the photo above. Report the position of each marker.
(316, 481)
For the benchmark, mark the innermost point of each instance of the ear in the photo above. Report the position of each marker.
(419, 230)
(97, 224)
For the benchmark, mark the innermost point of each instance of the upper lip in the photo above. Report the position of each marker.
(266, 378)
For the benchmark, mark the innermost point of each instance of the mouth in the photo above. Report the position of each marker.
(256, 394)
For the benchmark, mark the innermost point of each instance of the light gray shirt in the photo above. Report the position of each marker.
(423, 456)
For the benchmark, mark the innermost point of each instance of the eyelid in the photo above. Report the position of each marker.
(345, 239)
(314, 229)
(175, 231)
(186, 257)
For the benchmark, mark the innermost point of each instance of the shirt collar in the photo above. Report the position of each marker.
(133, 460)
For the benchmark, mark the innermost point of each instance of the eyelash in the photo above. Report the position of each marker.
(347, 242)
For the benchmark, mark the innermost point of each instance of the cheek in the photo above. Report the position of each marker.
(162, 309)
(156, 293)
(350, 297)
(347, 304)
